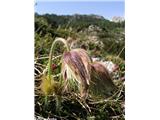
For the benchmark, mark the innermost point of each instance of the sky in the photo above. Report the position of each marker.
(107, 9)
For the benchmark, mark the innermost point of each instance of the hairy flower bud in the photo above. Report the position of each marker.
(101, 82)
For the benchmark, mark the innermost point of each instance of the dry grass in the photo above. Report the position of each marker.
(72, 106)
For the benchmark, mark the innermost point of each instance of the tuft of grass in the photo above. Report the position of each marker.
(72, 107)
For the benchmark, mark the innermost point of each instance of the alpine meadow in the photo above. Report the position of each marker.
(79, 67)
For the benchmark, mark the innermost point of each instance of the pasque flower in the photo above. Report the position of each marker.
(76, 65)
(78, 73)
(101, 82)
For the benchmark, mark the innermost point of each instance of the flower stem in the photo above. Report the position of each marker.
(52, 51)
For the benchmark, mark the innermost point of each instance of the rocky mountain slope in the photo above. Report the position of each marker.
(91, 32)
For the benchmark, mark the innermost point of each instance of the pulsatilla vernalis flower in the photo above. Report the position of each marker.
(101, 82)
(76, 65)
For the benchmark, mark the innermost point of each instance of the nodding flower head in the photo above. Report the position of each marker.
(101, 82)
(76, 65)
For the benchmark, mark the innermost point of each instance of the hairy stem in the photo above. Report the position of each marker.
(57, 40)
